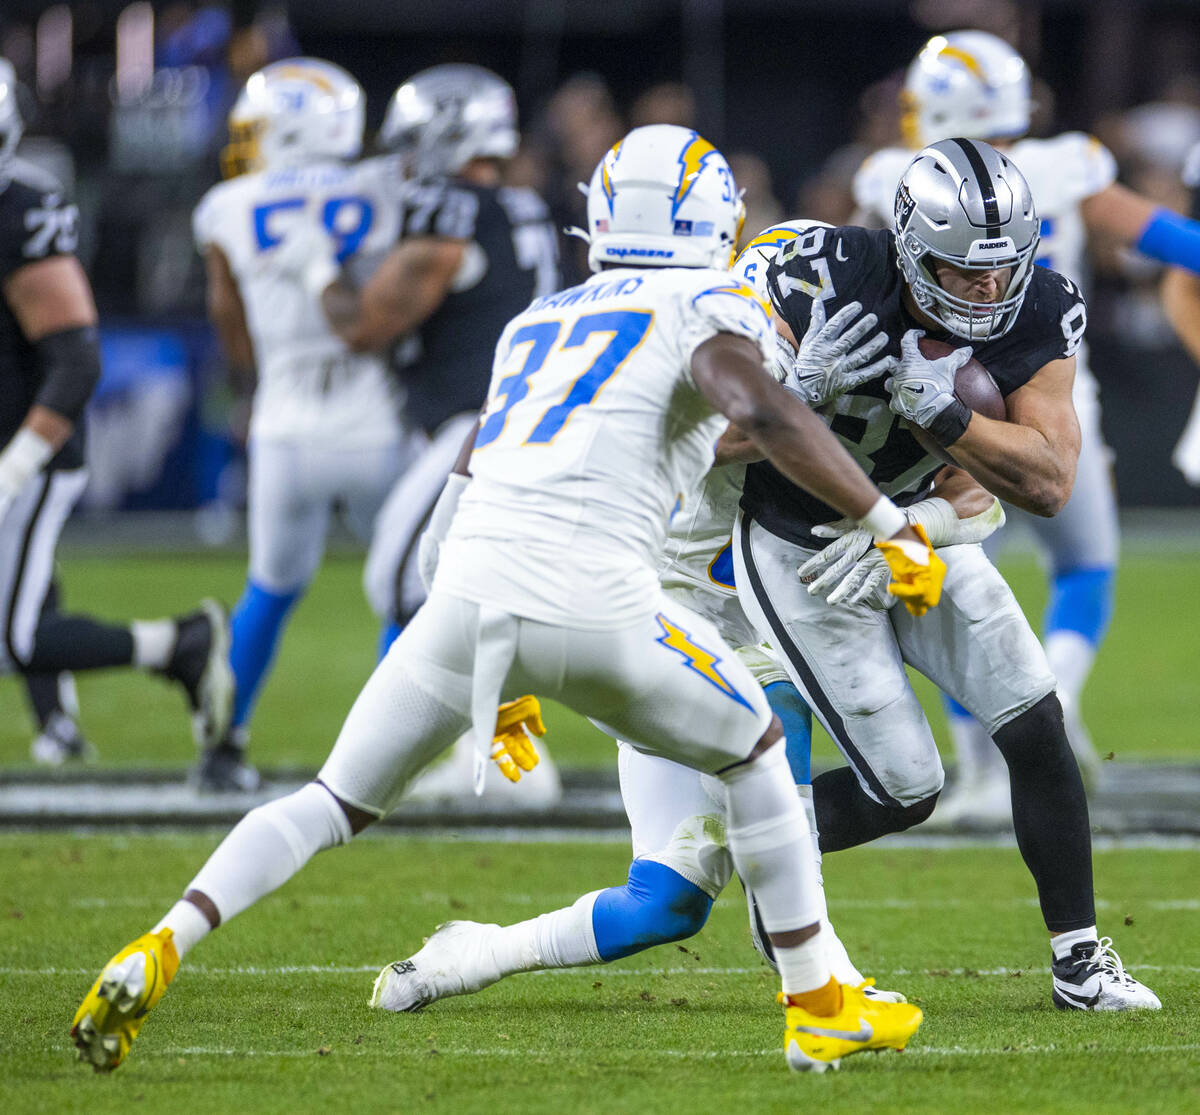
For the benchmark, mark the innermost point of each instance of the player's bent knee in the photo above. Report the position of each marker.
(1035, 734)
(358, 819)
(656, 906)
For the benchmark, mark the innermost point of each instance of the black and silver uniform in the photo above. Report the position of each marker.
(37, 221)
(851, 264)
(512, 259)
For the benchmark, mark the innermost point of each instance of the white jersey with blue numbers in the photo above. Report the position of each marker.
(310, 386)
(1062, 172)
(592, 434)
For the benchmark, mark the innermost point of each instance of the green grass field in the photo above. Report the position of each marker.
(270, 1015)
(1140, 702)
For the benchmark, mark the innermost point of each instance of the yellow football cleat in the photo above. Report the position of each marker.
(112, 1013)
(814, 1042)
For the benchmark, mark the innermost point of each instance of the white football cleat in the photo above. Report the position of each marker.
(456, 960)
(1092, 977)
(984, 803)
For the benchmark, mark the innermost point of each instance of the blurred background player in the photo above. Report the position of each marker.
(49, 367)
(1181, 301)
(325, 432)
(472, 254)
(54, 703)
(973, 84)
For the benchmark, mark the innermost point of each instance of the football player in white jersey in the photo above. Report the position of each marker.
(605, 403)
(676, 816)
(973, 84)
(325, 428)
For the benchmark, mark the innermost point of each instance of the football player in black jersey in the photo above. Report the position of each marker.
(959, 267)
(472, 254)
(49, 366)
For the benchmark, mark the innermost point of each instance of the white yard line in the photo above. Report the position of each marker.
(426, 1051)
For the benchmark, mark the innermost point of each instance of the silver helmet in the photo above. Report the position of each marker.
(11, 126)
(964, 202)
(445, 116)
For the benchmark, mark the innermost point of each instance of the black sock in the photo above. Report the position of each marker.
(78, 643)
(43, 696)
(846, 816)
(1050, 814)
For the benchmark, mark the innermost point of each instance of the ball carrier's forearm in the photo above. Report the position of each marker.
(1019, 464)
(728, 371)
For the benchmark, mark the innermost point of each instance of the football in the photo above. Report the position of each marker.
(973, 385)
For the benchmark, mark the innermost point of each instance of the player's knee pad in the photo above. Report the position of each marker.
(657, 905)
(1081, 600)
(796, 718)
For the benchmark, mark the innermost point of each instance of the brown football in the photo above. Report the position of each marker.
(973, 385)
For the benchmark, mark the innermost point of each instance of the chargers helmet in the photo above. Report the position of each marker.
(965, 83)
(11, 125)
(445, 116)
(966, 203)
(663, 197)
(291, 113)
(751, 267)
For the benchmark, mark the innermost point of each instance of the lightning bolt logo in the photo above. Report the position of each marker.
(691, 161)
(968, 61)
(696, 658)
(610, 160)
(742, 291)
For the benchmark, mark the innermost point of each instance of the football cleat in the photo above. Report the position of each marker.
(131, 984)
(815, 1042)
(200, 663)
(456, 960)
(60, 741)
(223, 769)
(1092, 977)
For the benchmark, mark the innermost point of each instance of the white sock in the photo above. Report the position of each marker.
(1070, 656)
(1065, 942)
(978, 759)
(187, 925)
(268, 846)
(153, 641)
(770, 845)
(560, 939)
(803, 967)
(839, 960)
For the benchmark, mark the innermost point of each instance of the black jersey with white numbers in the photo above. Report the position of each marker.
(36, 221)
(511, 258)
(841, 265)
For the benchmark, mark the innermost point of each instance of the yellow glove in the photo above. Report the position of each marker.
(918, 583)
(512, 748)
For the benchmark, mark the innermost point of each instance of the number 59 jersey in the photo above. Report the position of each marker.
(310, 386)
(592, 433)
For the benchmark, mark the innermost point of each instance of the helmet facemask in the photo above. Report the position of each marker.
(964, 203)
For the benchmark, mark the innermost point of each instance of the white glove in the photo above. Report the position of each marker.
(922, 390)
(23, 458)
(851, 571)
(833, 356)
(306, 256)
(429, 546)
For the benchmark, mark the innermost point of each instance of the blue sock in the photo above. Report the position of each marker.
(657, 905)
(953, 708)
(387, 636)
(255, 627)
(1081, 600)
(786, 702)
